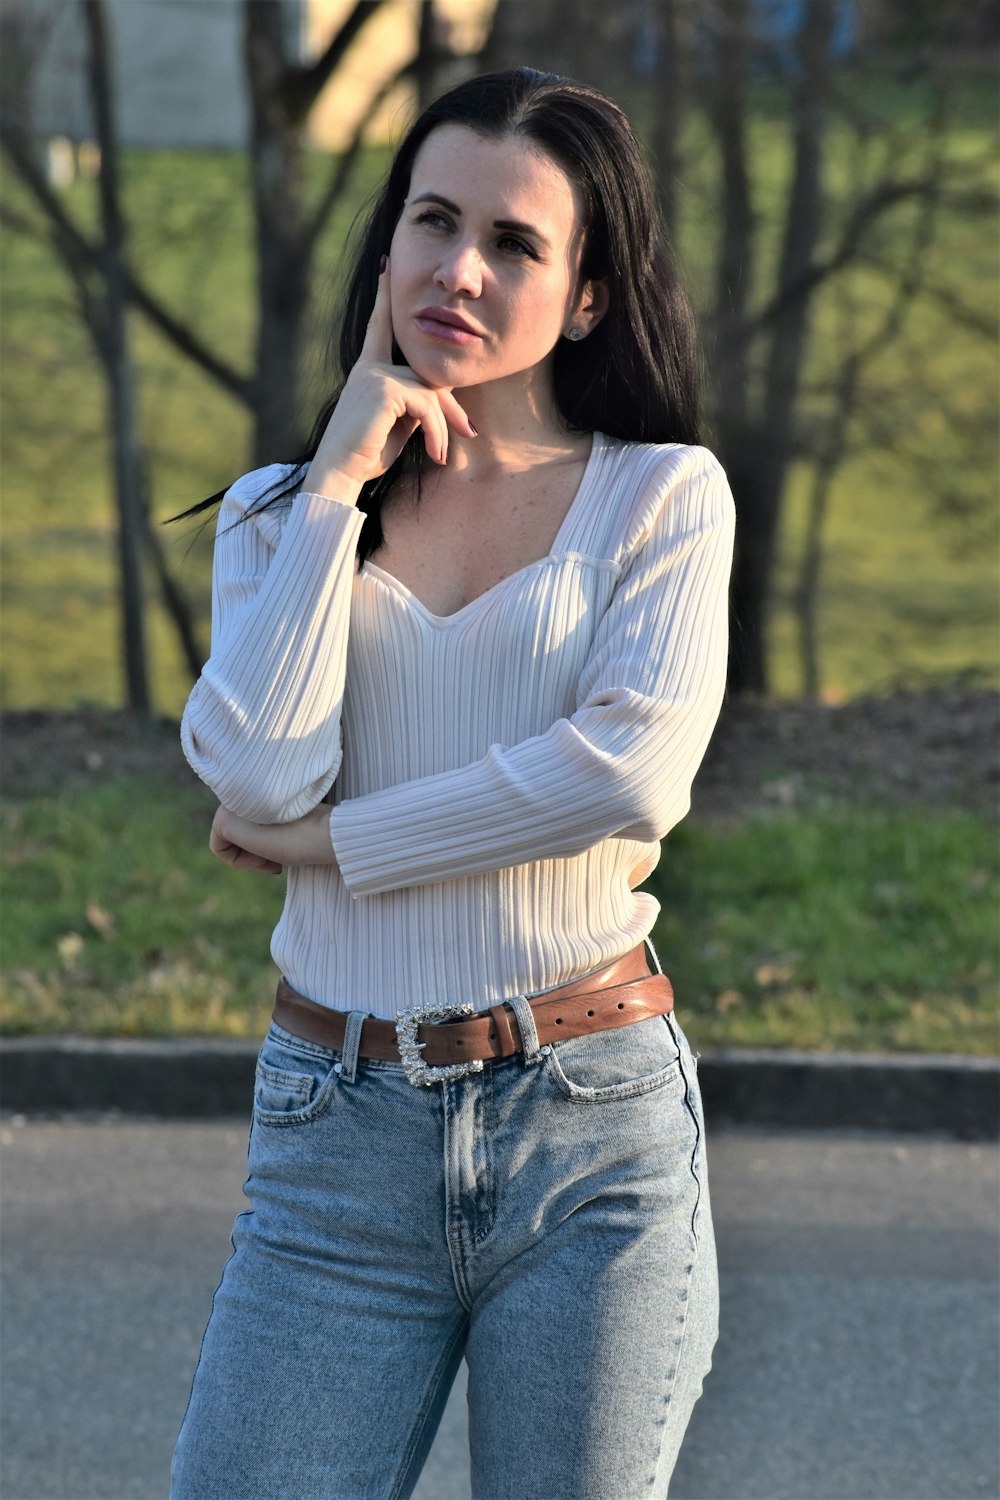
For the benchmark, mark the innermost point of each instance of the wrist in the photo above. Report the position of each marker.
(320, 842)
(332, 483)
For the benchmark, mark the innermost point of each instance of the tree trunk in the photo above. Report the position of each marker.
(776, 436)
(283, 255)
(118, 365)
(668, 31)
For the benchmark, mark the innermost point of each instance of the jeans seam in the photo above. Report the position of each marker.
(669, 1396)
(177, 1455)
(688, 1090)
(402, 1485)
(578, 1093)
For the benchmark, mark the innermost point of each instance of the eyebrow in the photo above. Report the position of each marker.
(514, 224)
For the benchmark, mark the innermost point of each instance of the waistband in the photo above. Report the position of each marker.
(431, 1046)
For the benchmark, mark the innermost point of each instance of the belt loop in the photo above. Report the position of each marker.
(508, 1041)
(352, 1040)
(652, 950)
(526, 1025)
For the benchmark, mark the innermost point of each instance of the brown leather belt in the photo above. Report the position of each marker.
(617, 995)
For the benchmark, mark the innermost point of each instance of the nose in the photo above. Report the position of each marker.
(461, 271)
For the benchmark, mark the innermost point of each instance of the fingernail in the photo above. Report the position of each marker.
(475, 429)
(382, 264)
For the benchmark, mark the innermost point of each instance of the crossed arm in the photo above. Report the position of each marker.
(268, 847)
(620, 765)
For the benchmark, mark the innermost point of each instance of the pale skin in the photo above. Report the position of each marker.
(521, 291)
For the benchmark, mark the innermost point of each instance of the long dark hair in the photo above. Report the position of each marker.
(638, 374)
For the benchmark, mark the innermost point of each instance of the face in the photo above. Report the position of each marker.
(491, 234)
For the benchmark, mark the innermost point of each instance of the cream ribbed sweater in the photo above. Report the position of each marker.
(497, 773)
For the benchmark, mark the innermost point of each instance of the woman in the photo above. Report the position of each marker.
(506, 709)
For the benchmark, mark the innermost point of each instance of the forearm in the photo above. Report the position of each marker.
(262, 724)
(271, 846)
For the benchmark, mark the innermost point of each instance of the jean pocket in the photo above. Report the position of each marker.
(295, 1080)
(616, 1064)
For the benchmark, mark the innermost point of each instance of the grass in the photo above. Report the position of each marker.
(842, 926)
(909, 586)
(835, 926)
(119, 921)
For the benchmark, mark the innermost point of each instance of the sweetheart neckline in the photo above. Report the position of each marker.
(557, 549)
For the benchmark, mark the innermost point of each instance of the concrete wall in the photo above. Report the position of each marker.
(179, 70)
(177, 67)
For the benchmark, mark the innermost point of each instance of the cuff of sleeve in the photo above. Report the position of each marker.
(328, 500)
(345, 833)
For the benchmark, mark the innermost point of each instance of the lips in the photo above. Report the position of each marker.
(442, 323)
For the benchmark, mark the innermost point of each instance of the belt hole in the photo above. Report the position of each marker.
(590, 1013)
(558, 1020)
(621, 1005)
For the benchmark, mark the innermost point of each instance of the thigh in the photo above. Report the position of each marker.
(588, 1350)
(335, 1333)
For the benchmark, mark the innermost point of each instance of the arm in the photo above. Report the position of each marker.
(622, 765)
(262, 723)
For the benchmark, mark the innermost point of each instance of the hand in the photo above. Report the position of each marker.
(380, 407)
(268, 847)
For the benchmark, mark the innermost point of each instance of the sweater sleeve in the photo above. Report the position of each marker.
(622, 765)
(262, 723)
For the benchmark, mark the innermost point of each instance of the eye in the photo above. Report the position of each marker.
(508, 243)
(433, 219)
(519, 246)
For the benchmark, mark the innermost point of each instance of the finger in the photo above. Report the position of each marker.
(226, 851)
(405, 428)
(258, 863)
(439, 428)
(246, 860)
(428, 408)
(419, 407)
(242, 859)
(455, 414)
(377, 347)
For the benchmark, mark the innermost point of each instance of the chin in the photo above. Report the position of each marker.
(446, 368)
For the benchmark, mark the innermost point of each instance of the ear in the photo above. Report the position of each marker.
(593, 304)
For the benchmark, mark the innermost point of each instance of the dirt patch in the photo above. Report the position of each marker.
(940, 748)
(57, 751)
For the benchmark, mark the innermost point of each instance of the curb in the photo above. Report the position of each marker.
(938, 1092)
(195, 1078)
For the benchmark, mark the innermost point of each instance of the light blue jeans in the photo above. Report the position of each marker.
(548, 1219)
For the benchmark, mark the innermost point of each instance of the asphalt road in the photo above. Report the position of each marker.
(858, 1355)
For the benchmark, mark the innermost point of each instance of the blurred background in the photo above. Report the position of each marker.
(178, 181)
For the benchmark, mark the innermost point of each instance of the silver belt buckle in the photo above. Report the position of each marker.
(410, 1049)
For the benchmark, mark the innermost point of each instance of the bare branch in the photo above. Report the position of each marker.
(18, 223)
(951, 303)
(300, 87)
(887, 195)
(80, 254)
(347, 160)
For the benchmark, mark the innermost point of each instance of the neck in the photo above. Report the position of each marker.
(519, 426)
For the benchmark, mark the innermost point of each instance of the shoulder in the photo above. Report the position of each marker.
(255, 486)
(252, 495)
(672, 487)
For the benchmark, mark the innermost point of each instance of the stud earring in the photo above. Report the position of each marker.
(576, 334)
